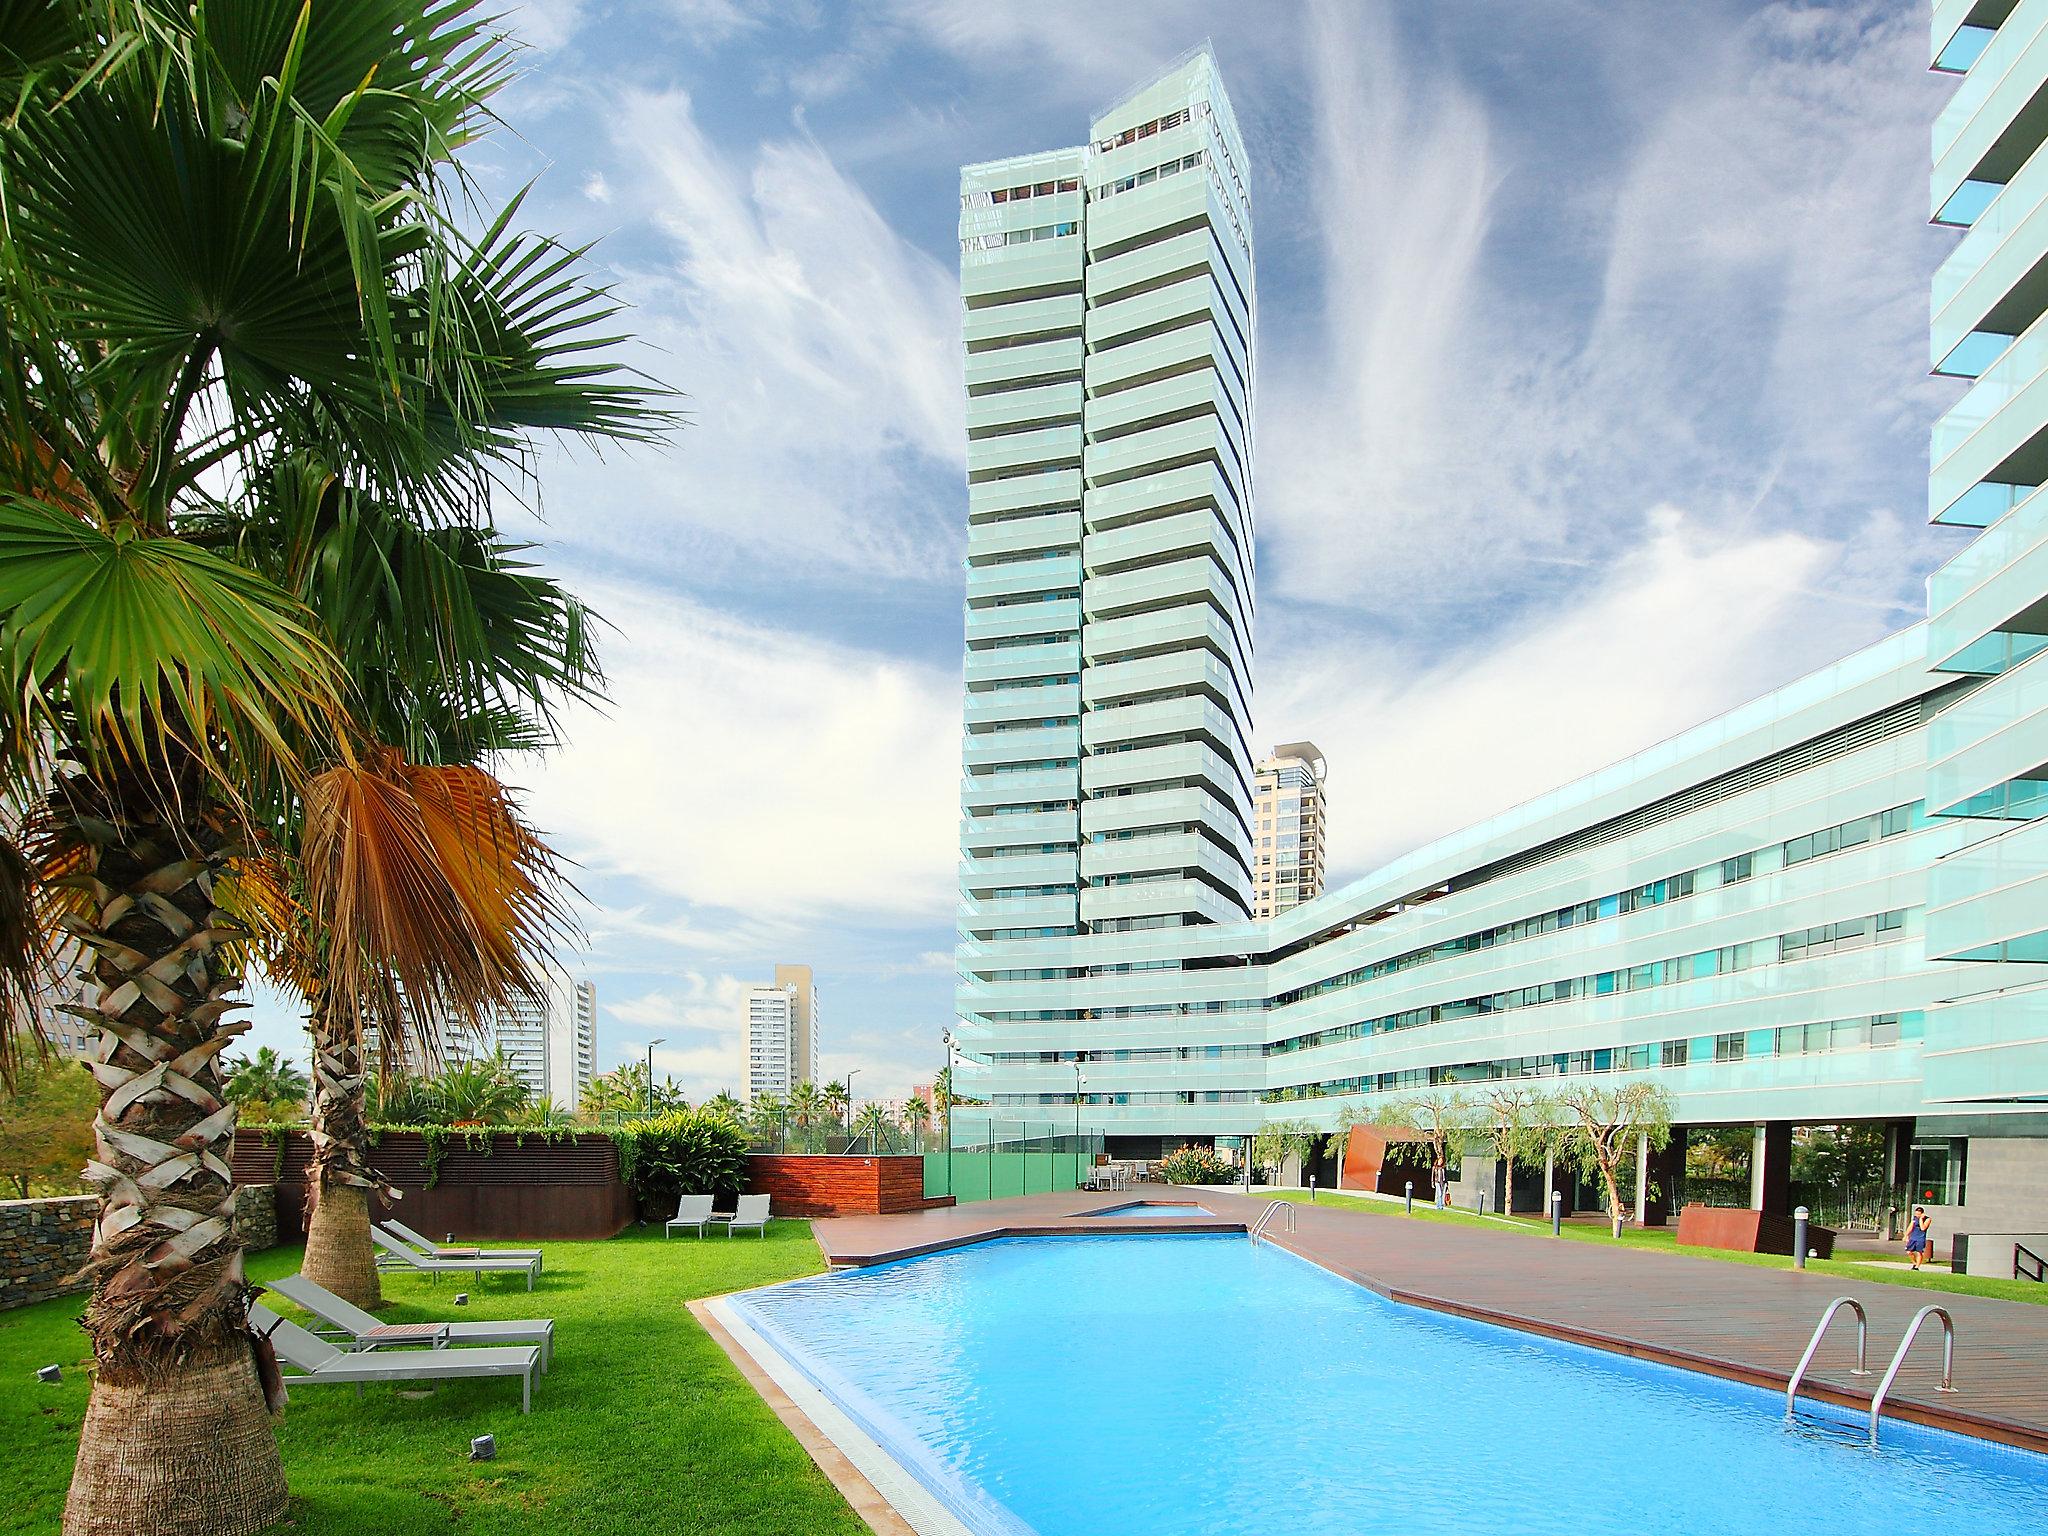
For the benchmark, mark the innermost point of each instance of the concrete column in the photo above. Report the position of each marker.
(1549, 1177)
(1643, 1179)
(1770, 1168)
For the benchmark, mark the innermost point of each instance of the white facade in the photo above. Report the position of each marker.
(1289, 834)
(549, 1043)
(779, 1033)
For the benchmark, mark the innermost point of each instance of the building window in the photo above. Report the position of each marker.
(1938, 1170)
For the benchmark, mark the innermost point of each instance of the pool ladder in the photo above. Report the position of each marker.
(1884, 1387)
(1277, 1208)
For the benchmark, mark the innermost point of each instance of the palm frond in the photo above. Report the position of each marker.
(140, 650)
(439, 902)
(27, 966)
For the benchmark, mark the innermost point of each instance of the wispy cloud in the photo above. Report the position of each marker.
(748, 771)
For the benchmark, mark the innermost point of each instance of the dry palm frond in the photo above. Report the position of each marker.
(436, 898)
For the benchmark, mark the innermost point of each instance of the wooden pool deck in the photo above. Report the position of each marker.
(1744, 1322)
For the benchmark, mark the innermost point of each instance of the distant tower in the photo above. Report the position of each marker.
(780, 1033)
(1288, 828)
(572, 1042)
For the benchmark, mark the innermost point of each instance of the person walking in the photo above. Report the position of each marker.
(1919, 1237)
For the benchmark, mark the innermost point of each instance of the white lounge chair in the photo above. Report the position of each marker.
(691, 1211)
(751, 1214)
(366, 1330)
(454, 1251)
(403, 1254)
(319, 1361)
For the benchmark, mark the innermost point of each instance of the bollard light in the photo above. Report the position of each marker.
(1799, 1249)
(462, 1298)
(483, 1448)
(1408, 1200)
(448, 1237)
(1311, 1189)
(1557, 1213)
(50, 1373)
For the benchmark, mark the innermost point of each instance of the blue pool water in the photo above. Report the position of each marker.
(1146, 1209)
(1165, 1385)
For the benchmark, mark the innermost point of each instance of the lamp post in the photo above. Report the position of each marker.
(657, 1040)
(1080, 1082)
(942, 1093)
(847, 1083)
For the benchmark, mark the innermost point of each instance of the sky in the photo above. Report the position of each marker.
(1591, 401)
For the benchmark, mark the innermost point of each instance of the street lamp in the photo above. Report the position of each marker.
(657, 1040)
(847, 1083)
(1080, 1082)
(942, 1095)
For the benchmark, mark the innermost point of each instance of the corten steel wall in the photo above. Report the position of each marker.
(538, 1189)
(1720, 1226)
(837, 1186)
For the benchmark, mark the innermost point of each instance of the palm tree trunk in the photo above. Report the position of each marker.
(339, 1253)
(177, 1440)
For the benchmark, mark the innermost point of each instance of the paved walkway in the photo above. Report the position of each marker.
(1733, 1320)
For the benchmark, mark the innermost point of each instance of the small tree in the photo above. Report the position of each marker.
(917, 1116)
(267, 1078)
(46, 1124)
(1513, 1131)
(1442, 1120)
(1604, 1126)
(1277, 1140)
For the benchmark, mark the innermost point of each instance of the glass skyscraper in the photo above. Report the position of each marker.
(1828, 905)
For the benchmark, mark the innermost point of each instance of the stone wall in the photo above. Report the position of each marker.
(43, 1244)
(256, 1216)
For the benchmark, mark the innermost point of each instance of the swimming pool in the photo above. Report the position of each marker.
(1182, 1385)
(1148, 1209)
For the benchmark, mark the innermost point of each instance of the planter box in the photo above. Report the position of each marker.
(838, 1186)
(1745, 1231)
(525, 1186)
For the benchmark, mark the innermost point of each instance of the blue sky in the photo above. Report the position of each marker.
(1591, 401)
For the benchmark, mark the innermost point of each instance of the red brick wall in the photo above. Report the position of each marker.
(837, 1186)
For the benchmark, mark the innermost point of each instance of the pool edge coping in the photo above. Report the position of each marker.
(1955, 1420)
(851, 1460)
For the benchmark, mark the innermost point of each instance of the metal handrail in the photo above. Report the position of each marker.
(1948, 1361)
(1813, 1344)
(1278, 1207)
(2019, 1272)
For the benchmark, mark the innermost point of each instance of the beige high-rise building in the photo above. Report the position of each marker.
(779, 1033)
(1288, 803)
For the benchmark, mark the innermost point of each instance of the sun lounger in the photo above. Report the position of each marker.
(368, 1331)
(691, 1211)
(443, 1251)
(315, 1360)
(404, 1255)
(751, 1215)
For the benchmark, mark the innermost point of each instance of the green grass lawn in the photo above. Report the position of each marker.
(1665, 1239)
(642, 1426)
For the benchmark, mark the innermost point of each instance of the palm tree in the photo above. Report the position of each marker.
(872, 1123)
(917, 1116)
(806, 1107)
(766, 1118)
(725, 1106)
(233, 284)
(266, 1077)
(838, 1098)
(478, 1093)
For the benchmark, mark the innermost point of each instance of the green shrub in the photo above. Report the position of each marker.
(1196, 1165)
(681, 1152)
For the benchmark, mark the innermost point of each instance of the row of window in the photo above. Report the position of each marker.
(999, 238)
(1905, 818)
(1149, 175)
(1724, 961)
(1875, 1031)
(1029, 189)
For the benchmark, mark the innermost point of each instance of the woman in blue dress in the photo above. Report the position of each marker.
(1919, 1237)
